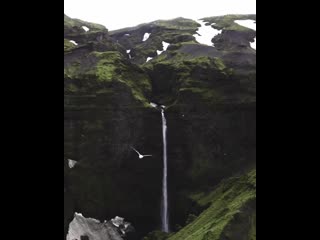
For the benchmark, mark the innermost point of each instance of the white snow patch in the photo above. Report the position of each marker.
(253, 44)
(146, 37)
(127, 34)
(248, 23)
(165, 45)
(73, 42)
(128, 52)
(149, 58)
(85, 28)
(206, 33)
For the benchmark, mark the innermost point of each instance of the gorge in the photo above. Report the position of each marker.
(202, 168)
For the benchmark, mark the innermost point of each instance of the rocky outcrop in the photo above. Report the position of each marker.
(92, 229)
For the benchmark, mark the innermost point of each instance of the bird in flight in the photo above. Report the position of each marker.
(140, 155)
(72, 163)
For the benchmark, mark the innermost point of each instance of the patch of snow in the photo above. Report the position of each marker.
(146, 37)
(85, 28)
(248, 23)
(149, 58)
(128, 52)
(206, 33)
(127, 34)
(253, 44)
(73, 42)
(165, 45)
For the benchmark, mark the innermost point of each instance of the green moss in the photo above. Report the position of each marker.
(77, 23)
(68, 46)
(156, 235)
(178, 24)
(107, 68)
(219, 63)
(71, 88)
(252, 231)
(226, 22)
(226, 201)
(173, 24)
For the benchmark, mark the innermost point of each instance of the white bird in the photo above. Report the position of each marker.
(72, 163)
(140, 155)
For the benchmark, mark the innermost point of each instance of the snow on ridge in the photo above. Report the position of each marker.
(149, 58)
(165, 45)
(85, 28)
(205, 33)
(248, 23)
(146, 37)
(253, 44)
(128, 52)
(73, 42)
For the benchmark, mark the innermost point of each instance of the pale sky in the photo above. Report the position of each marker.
(116, 14)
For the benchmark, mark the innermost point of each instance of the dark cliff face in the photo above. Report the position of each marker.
(210, 95)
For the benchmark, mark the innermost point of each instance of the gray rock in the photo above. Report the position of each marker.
(92, 229)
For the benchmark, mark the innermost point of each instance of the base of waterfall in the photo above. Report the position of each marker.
(82, 228)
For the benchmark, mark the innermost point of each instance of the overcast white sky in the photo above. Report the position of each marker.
(116, 14)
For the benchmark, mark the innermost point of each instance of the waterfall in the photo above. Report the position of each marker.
(164, 200)
(164, 205)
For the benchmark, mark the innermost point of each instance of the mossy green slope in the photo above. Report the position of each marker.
(77, 24)
(172, 31)
(231, 203)
(97, 73)
(226, 22)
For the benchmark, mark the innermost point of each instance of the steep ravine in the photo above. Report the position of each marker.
(210, 94)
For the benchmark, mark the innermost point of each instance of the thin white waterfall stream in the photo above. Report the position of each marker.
(164, 205)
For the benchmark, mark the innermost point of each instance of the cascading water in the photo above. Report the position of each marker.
(164, 206)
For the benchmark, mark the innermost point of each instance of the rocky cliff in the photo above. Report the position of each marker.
(109, 80)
